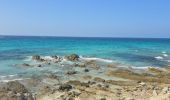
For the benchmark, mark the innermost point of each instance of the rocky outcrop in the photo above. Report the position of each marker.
(73, 57)
(14, 91)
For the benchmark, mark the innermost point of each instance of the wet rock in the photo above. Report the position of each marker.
(16, 87)
(86, 70)
(80, 65)
(71, 72)
(98, 79)
(65, 87)
(36, 57)
(25, 65)
(39, 65)
(73, 57)
(52, 76)
(55, 57)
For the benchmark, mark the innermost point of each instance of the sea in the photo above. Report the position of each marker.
(133, 52)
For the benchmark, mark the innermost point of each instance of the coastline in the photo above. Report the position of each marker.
(88, 79)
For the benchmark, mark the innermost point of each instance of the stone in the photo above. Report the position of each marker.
(25, 65)
(65, 87)
(36, 57)
(164, 90)
(72, 57)
(154, 93)
(103, 99)
(98, 79)
(16, 87)
(39, 65)
(71, 72)
(86, 70)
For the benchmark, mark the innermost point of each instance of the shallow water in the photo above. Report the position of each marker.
(130, 52)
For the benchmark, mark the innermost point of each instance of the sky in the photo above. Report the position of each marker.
(86, 18)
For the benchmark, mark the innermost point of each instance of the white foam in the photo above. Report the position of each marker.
(8, 80)
(97, 59)
(165, 55)
(29, 58)
(163, 52)
(159, 57)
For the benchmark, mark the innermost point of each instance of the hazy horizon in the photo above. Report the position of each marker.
(86, 18)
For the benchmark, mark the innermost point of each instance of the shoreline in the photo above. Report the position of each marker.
(88, 79)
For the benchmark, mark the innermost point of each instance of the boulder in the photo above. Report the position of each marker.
(73, 57)
(86, 70)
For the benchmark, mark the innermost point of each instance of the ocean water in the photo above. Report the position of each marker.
(135, 52)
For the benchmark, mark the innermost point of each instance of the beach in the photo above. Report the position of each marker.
(53, 68)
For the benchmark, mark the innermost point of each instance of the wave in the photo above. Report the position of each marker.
(97, 59)
(159, 58)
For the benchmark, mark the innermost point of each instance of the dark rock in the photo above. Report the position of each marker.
(86, 70)
(73, 57)
(39, 65)
(36, 57)
(25, 65)
(65, 87)
(55, 57)
(71, 72)
(103, 99)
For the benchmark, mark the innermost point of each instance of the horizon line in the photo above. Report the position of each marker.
(82, 36)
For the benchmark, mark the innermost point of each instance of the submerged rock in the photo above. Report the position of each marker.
(86, 70)
(73, 57)
(71, 72)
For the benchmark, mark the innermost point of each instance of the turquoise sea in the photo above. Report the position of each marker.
(135, 52)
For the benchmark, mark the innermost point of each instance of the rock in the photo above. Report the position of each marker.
(55, 57)
(65, 87)
(154, 93)
(14, 91)
(25, 65)
(71, 72)
(142, 84)
(39, 65)
(103, 99)
(164, 90)
(80, 65)
(52, 76)
(69, 98)
(78, 83)
(16, 87)
(98, 79)
(86, 70)
(36, 57)
(130, 98)
(73, 57)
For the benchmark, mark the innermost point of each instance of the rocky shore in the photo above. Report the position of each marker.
(85, 79)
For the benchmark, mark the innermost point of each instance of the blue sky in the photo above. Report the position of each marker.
(89, 18)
